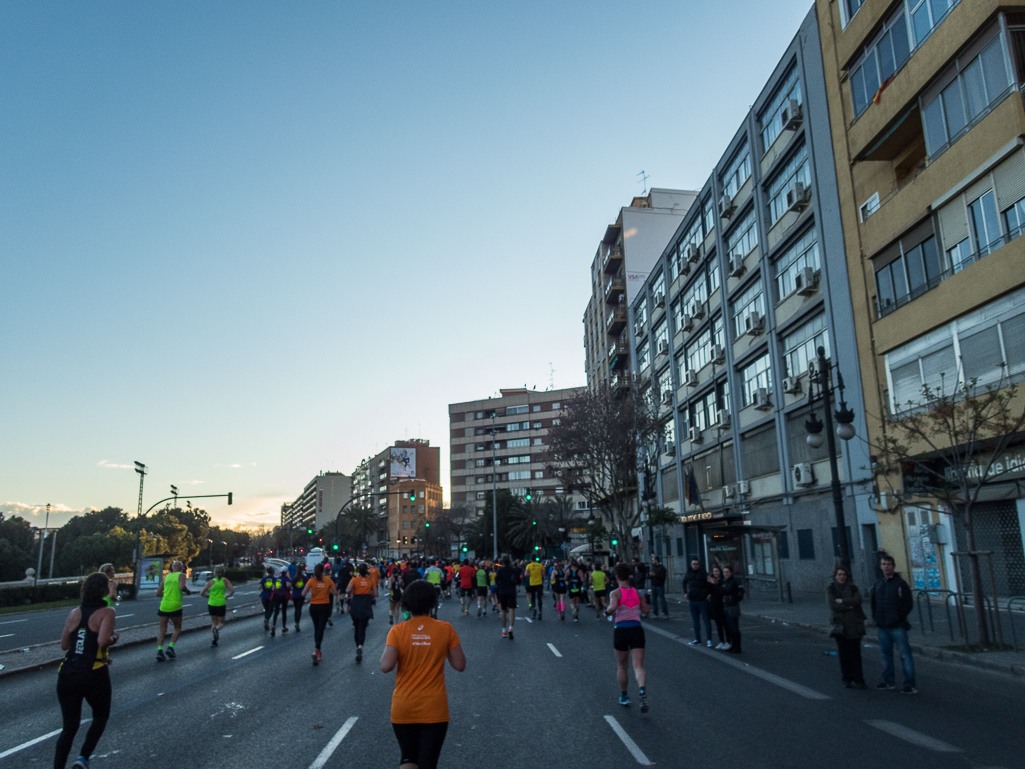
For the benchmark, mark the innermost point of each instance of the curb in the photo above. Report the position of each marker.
(144, 638)
(932, 652)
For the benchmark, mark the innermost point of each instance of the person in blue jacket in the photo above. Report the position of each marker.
(298, 583)
(279, 601)
(266, 593)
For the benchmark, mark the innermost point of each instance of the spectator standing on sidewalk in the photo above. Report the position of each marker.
(732, 595)
(657, 576)
(695, 587)
(847, 626)
(891, 604)
(638, 575)
(715, 608)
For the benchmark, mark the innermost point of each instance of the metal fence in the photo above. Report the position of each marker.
(952, 614)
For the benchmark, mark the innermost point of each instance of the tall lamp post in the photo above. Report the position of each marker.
(42, 542)
(494, 492)
(845, 429)
(225, 553)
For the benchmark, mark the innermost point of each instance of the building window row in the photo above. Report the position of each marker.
(751, 303)
(737, 172)
(777, 110)
(743, 239)
(804, 253)
(796, 171)
(699, 353)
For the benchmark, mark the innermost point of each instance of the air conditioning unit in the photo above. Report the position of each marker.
(792, 385)
(695, 435)
(663, 347)
(813, 368)
(690, 378)
(660, 299)
(754, 323)
(697, 309)
(806, 282)
(729, 492)
(798, 197)
(684, 267)
(743, 488)
(691, 253)
(763, 399)
(639, 331)
(792, 115)
(723, 415)
(718, 353)
(726, 207)
(802, 475)
(736, 266)
(688, 322)
(671, 448)
(667, 397)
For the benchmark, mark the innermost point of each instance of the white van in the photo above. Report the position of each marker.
(315, 556)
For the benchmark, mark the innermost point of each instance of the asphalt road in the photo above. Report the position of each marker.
(543, 699)
(35, 627)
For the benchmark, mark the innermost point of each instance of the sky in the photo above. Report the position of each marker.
(247, 242)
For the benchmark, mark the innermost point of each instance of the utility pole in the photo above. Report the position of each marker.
(494, 490)
(53, 547)
(140, 468)
(42, 542)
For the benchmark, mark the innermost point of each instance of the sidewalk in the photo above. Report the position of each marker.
(811, 613)
(48, 654)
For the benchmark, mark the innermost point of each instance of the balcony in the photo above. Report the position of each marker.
(615, 289)
(612, 261)
(620, 384)
(616, 322)
(619, 355)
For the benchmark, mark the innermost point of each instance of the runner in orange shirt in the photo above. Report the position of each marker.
(362, 591)
(419, 706)
(320, 589)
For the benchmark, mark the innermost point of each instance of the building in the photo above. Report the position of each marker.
(928, 128)
(725, 329)
(519, 420)
(386, 481)
(319, 502)
(624, 257)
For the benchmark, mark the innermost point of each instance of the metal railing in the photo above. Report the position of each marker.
(959, 626)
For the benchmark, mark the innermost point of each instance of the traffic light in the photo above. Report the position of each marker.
(465, 549)
(229, 497)
(537, 547)
(334, 547)
(428, 524)
(533, 523)
(529, 498)
(412, 496)
(615, 542)
(309, 531)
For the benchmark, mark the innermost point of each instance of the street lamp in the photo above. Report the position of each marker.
(210, 552)
(820, 432)
(225, 553)
(174, 493)
(42, 542)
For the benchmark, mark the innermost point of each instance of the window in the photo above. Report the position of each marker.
(882, 58)
(517, 443)
(805, 545)
(925, 15)
(704, 412)
(796, 170)
(803, 253)
(661, 334)
(1014, 219)
(539, 474)
(705, 282)
(751, 301)
(536, 442)
(641, 314)
(405, 509)
(643, 356)
(737, 172)
(698, 354)
(869, 207)
(985, 227)
(783, 545)
(771, 118)
(519, 475)
(516, 410)
(974, 87)
(536, 408)
(755, 376)
(742, 239)
(517, 460)
(658, 286)
(479, 463)
(665, 384)
(678, 310)
(480, 495)
(708, 217)
(405, 524)
(848, 9)
(421, 509)
(556, 422)
(537, 426)
(800, 346)
(421, 493)
(479, 415)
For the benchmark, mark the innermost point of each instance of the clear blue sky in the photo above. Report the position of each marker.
(246, 242)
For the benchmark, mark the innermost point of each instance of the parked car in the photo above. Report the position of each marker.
(202, 576)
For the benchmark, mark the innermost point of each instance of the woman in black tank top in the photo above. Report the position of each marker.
(83, 675)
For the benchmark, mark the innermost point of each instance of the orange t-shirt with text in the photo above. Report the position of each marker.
(362, 585)
(375, 575)
(320, 590)
(423, 644)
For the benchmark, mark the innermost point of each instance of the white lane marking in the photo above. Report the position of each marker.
(765, 675)
(12, 621)
(529, 620)
(246, 654)
(30, 743)
(330, 748)
(915, 738)
(122, 616)
(635, 751)
(6, 635)
(555, 651)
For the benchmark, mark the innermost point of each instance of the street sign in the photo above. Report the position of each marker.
(565, 546)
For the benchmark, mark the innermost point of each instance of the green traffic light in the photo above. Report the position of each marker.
(537, 547)
(412, 496)
(428, 524)
(309, 531)
(334, 547)
(465, 549)
(533, 523)
(615, 542)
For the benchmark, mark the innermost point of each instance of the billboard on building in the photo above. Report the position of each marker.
(403, 463)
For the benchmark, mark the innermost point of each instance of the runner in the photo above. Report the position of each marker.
(111, 599)
(83, 675)
(345, 574)
(267, 596)
(558, 580)
(170, 595)
(279, 601)
(218, 590)
(598, 584)
(297, 592)
(320, 589)
(394, 596)
(466, 591)
(576, 587)
(627, 604)
(374, 573)
(506, 580)
(450, 578)
(419, 706)
(481, 576)
(492, 571)
(535, 588)
(361, 592)
(435, 576)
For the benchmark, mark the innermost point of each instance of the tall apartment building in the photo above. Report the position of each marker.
(624, 257)
(386, 481)
(519, 420)
(928, 127)
(319, 502)
(726, 327)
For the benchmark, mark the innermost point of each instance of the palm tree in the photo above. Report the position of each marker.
(361, 522)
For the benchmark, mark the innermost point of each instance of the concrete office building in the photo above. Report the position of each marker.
(928, 128)
(624, 257)
(319, 502)
(725, 329)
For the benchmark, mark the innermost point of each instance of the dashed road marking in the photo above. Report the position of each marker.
(12, 621)
(6, 635)
(246, 654)
(555, 651)
(330, 748)
(37, 740)
(915, 738)
(635, 751)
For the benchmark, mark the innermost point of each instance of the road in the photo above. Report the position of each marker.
(20, 630)
(546, 698)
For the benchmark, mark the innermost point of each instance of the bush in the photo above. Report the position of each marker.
(21, 596)
(239, 576)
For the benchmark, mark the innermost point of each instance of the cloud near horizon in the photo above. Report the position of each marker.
(105, 463)
(36, 514)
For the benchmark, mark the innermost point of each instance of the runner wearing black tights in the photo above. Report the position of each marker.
(361, 592)
(320, 588)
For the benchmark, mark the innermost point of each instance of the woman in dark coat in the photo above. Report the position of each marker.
(847, 626)
(715, 608)
(732, 594)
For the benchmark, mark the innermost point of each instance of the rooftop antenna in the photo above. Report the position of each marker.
(644, 178)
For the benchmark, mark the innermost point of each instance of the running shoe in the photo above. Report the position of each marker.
(909, 689)
(330, 623)
(882, 686)
(624, 700)
(391, 619)
(160, 655)
(170, 653)
(708, 643)
(576, 619)
(81, 763)
(719, 645)
(213, 642)
(644, 703)
(695, 642)
(727, 647)
(359, 654)
(316, 658)
(273, 631)
(284, 628)
(297, 627)
(504, 632)
(511, 637)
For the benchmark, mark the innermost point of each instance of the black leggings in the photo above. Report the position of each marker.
(72, 688)
(319, 613)
(268, 607)
(421, 743)
(298, 609)
(280, 604)
(360, 630)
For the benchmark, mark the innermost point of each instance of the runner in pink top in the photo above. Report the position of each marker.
(627, 605)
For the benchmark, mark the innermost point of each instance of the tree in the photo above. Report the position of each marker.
(596, 448)
(948, 447)
(16, 546)
(360, 523)
(84, 555)
(479, 532)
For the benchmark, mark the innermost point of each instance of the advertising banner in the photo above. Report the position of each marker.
(151, 571)
(403, 463)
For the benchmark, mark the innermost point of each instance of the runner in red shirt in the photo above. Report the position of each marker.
(450, 576)
(466, 591)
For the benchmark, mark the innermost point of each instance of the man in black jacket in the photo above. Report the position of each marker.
(657, 575)
(695, 587)
(891, 604)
